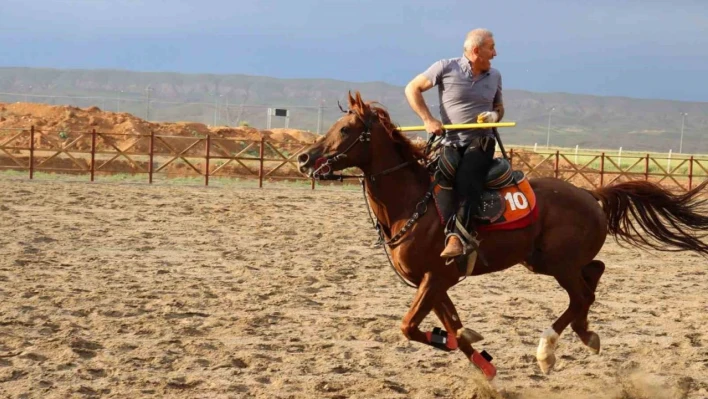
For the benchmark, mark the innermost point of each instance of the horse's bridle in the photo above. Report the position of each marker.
(420, 209)
(364, 136)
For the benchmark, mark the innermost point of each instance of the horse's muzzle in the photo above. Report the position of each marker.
(303, 160)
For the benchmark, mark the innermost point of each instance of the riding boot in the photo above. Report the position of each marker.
(453, 247)
(461, 237)
(447, 204)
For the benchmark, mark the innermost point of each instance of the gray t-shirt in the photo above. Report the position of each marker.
(463, 97)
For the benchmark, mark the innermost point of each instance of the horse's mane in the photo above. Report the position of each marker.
(403, 144)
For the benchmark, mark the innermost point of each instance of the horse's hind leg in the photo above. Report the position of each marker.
(578, 293)
(591, 275)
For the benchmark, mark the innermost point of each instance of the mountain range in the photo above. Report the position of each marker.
(575, 119)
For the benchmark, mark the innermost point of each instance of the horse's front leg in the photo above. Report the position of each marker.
(429, 292)
(446, 312)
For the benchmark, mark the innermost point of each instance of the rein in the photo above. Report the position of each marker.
(420, 209)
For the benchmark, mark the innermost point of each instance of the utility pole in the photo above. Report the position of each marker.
(683, 121)
(148, 89)
(216, 105)
(228, 116)
(118, 102)
(319, 117)
(548, 134)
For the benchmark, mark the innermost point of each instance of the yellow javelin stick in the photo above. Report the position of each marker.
(460, 126)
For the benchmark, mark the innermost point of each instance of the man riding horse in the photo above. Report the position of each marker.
(469, 91)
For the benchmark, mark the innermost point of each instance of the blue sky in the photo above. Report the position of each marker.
(633, 48)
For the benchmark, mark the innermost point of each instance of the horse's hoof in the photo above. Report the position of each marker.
(468, 335)
(483, 362)
(594, 343)
(547, 363)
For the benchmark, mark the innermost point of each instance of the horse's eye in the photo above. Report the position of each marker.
(344, 131)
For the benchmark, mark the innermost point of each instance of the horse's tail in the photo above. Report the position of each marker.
(673, 222)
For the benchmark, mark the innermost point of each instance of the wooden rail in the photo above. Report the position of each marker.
(211, 156)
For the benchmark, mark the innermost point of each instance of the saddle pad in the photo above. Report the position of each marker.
(509, 208)
(520, 207)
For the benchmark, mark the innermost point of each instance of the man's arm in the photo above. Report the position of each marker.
(414, 95)
(498, 101)
(499, 109)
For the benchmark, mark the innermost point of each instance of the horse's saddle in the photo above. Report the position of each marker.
(508, 197)
(493, 204)
(500, 174)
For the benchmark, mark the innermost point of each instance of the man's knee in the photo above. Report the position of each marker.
(449, 164)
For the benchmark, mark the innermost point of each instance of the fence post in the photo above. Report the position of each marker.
(619, 161)
(152, 151)
(31, 160)
(557, 163)
(576, 153)
(690, 173)
(602, 169)
(206, 170)
(646, 168)
(260, 168)
(93, 153)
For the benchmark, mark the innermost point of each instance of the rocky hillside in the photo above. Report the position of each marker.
(588, 121)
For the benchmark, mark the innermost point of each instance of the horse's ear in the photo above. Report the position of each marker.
(362, 106)
(350, 99)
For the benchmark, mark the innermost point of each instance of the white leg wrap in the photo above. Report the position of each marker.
(546, 353)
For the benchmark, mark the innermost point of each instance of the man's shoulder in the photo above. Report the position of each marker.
(447, 62)
(494, 72)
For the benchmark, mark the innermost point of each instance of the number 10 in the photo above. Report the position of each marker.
(516, 200)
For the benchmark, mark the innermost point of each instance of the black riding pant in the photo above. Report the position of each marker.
(470, 172)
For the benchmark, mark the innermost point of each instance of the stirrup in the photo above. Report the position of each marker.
(469, 240)
(470, 249)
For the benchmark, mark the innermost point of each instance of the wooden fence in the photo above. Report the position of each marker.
(93, 153)
(599, 170)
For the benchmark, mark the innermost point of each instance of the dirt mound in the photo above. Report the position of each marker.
(72, 121)
(299, 136)
(67, 127)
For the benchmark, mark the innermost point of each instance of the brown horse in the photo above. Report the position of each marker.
(570, 230)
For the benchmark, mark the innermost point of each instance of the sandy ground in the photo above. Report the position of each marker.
(127, 291)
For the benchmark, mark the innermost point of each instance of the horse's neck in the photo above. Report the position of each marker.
(393, 196)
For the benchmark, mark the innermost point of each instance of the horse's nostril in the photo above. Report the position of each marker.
(303, 158)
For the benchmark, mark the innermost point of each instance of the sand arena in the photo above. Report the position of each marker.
(120, 290)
